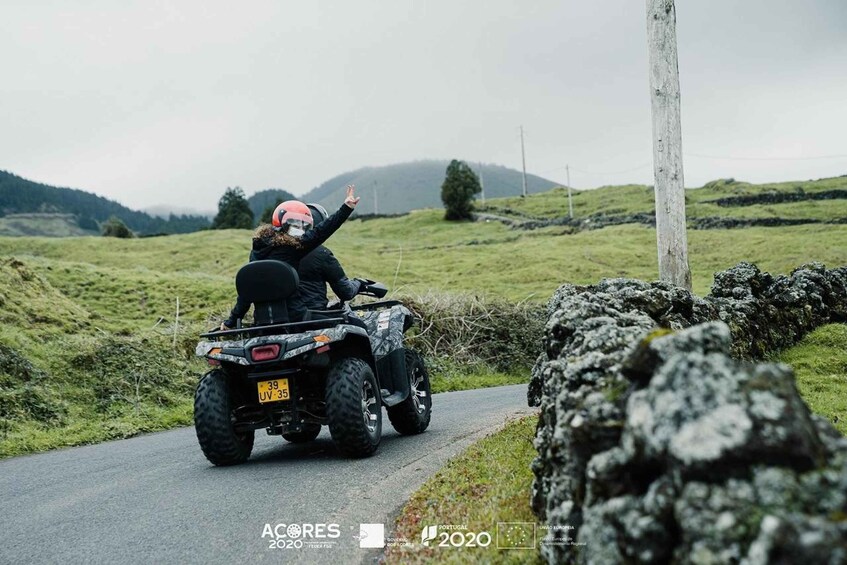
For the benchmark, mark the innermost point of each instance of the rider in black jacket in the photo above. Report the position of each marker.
(289, 240)
(319, 268)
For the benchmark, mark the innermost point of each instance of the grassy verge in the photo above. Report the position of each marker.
(80, 389)
(820, 364)
(487, 484)
(475, 378)
(83, 429)
(83, 412)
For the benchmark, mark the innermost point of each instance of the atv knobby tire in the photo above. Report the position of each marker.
(213, 422)
(307, 434)
(413, 414)
(353, 407)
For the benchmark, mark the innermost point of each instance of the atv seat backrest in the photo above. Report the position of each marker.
(267, 285)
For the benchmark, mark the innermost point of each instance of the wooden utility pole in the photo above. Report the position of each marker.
(667, 144)
(376, 203)
(481, 184)
(570, 202)
(523, 160)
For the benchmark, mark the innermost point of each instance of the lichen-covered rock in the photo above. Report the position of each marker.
(799, 539)
(769, 313)
(704, 412)
(657, 442)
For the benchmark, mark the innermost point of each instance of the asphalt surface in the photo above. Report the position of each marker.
(155, 498)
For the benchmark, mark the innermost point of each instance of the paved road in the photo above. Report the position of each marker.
(155, 498)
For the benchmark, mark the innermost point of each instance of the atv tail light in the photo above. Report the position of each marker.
(265, 352)
(209, 356)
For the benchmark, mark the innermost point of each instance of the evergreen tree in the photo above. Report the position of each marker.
(233, 211)
(457, 193)
(114, 227)
(268, 213)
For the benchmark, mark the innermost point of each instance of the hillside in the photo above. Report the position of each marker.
(46, 225)
(20, 198)
(421, 252)
(264, 198)
(411, 186)
(110, 304)
(814, 201)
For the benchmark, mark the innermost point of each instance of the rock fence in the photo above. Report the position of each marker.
(780, 197)
(599, 221)
(659, 440)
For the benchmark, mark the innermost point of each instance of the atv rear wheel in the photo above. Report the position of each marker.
(353, 407)
(307, 434)
(213, 405)
(413, 414)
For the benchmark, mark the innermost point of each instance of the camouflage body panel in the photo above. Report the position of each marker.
(385, 328)
(335, 334)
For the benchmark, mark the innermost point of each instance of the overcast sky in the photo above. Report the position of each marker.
(154, 102)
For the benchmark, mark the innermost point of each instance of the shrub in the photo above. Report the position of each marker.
(23, 391)
(114, 227)
(477, 330)
(133, 371)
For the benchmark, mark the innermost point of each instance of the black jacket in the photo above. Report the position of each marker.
(270, 244)
(316, 270)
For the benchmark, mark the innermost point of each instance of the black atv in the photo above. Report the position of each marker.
(293, 378)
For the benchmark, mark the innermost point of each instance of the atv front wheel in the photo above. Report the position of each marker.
(353, 407)
(413, 414)
(213, 405)
(307, 434)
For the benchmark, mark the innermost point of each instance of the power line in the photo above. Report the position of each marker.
(817, 157)
(642, 166)
(639, 167)
(698, 156)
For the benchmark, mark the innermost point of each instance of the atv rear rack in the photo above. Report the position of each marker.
(286, 328)
(377, 305)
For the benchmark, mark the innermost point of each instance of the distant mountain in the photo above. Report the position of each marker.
(264, 198)
(20, 196)
(409, 186)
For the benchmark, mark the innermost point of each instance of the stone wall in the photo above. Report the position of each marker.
(599, 221)
(659, 441)
(780, 197)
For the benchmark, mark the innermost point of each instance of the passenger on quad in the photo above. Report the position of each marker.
(319, 268)
(289, 240)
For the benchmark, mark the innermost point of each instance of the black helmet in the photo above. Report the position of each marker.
(318, 213)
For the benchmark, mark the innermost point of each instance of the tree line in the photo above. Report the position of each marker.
(21, 196)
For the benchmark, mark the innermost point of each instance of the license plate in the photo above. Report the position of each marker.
(273, 391)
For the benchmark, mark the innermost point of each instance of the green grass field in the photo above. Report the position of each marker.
(820, 364)
(142, 278)
(488, 483)
(59, 296)
(630, 199)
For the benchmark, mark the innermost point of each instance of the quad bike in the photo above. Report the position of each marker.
(291, 378)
